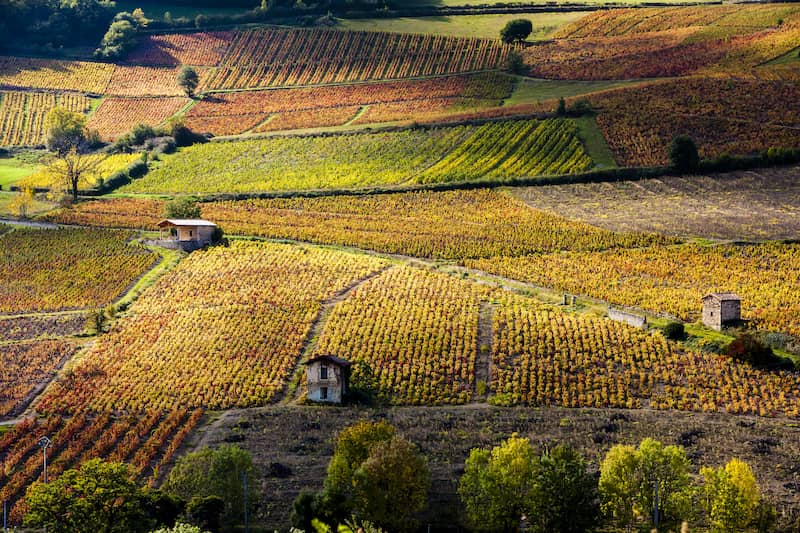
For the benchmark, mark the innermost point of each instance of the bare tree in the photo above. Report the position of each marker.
(72, 168)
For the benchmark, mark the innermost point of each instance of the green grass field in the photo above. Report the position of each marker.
(788, 58)
(594, 142)
(13, 170)
(487, 26)
(528, 90)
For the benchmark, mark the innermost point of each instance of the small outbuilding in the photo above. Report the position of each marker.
(186, 234)
(327, 378)
(721, 309)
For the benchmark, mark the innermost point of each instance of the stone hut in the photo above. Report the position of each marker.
(720, 309)
(185, 234)
(327, 378)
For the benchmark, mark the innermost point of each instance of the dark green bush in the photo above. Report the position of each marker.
(674, 331)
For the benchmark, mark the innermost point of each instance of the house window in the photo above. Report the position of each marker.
(190, 233)
(323, 372)
(323, 393)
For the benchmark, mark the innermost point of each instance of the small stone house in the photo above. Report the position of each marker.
(185, 234)
(721, 308)
(327, 378)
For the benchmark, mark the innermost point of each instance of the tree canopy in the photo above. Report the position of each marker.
(732, 497)
(99, 498)
(216, 472)
(516, 31)
(683, 154)
(630, 478)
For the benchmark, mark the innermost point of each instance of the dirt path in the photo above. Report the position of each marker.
(28, 223)
(310, 343)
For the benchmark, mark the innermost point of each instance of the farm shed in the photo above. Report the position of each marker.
(186, 234)
(327, 378)
(721, 308)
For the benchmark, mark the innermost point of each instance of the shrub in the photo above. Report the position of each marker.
(515, 64)
(674, 331)
(683, 154)
(749, 349)
(137, 169)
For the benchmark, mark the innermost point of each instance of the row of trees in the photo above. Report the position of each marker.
(649, 486)
(378, 476)
(378, 479)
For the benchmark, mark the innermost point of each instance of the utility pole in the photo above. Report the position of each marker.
(5, 524)
(45, 443)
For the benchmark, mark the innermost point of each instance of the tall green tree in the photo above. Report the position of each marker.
(500, 486)
(391, 486)
(683, 154)
(631, 479)
(65, 130)
(99, 498)
(566, 500)
(732, 497)
(216, 472)
(188, 80)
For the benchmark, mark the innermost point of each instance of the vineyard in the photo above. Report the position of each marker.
(758, 204)
(22, 115)
(513, 149)
(77, 76)
(25, 328)
(45, 270)
(144, 81)
(26, 365)
(659, 42)
(275, 58)
(416, 330)
(446, 225)
(117, 116)
(723, 116)
(224, 329)
(106, 165)
(504, 150)
(172, 50)
(148, 441)
(673, 279)
(233, 113)
(544, 357)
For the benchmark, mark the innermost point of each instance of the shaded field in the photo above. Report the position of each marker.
(302, 438)
(721, 115)
(657, 42)
(753, 205)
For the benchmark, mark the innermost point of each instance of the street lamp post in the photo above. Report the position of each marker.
(45, 443)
